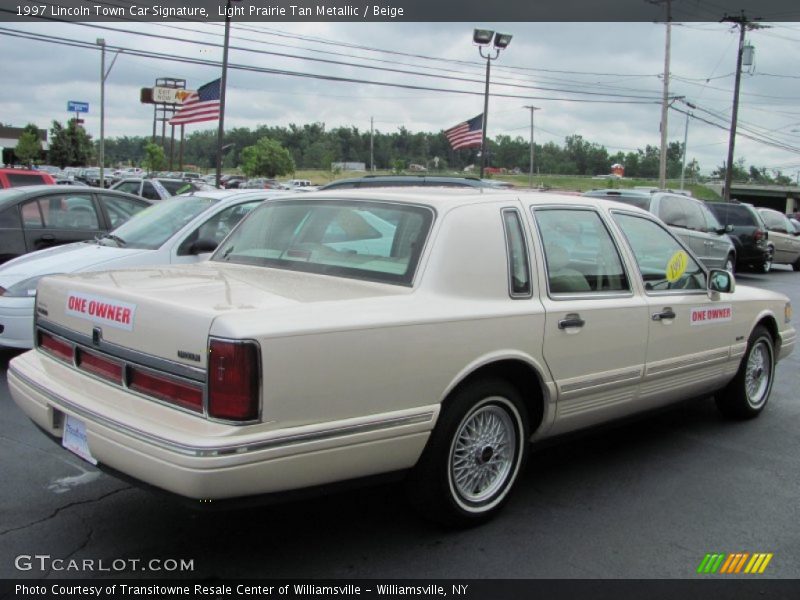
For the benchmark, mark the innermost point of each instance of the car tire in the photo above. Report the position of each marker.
(730, 263)
(766, 266)
(473, 456)
(796, 265)
(747, 394)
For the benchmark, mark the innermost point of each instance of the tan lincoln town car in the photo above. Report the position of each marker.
(348, 334)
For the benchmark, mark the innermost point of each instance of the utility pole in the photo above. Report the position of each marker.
(223, 84)
(662, 165)
(530, 177)
(744, 25)
(685, 141)
(371, 145)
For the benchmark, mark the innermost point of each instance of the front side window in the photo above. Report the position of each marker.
(663, 263)
(518, 266)
(361, 239)
(119, 208)
(580, 255)
(218, 226)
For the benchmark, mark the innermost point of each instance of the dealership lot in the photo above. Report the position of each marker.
(646, 498)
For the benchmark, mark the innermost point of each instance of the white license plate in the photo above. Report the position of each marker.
(74, 439)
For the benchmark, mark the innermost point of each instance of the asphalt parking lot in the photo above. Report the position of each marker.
(642, 499)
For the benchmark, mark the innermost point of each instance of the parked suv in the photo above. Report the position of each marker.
(19, 177)
(749, 234)
(688, 218)
(371, 181)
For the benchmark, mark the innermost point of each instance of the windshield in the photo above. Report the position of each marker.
(153, 226)
(356, 239)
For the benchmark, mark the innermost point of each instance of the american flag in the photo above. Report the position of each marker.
(467, 134)
(202, 105)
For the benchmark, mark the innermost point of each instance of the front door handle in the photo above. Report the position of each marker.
(667, 313)
(571, 320)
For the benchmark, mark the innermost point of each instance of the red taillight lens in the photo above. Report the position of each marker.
(56, 347)
(758, 235)
(179, 393)
(233, 374)
(99, 365)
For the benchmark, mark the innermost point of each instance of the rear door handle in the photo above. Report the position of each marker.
(667, 313)
(571, 320)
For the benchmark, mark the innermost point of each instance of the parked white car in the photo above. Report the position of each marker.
(178, 230)
(345, 334)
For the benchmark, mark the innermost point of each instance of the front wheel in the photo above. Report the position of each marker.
(730, 263)
(474, 455)
(746, 396)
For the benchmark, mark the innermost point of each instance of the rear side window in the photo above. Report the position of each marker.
(579, 253)
(519, 272)
(730, 214)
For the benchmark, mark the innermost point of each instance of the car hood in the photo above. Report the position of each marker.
(70, 258)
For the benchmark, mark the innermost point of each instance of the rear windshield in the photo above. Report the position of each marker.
(733, 215)
(356, 239)
(21, 179)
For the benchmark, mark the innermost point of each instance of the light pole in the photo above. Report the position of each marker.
(103, 76)
(482, 38)
(530, 177)
(685, 140)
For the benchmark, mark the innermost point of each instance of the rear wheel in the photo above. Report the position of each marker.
(746, 396)
(474, 455)
(766, 266)
(796, 265)
(730, 263)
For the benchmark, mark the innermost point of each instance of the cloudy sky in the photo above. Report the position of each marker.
(599, 80)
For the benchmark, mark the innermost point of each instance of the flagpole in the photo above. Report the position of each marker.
(222, 86)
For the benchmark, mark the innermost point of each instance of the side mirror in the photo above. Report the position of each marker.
(720, 282)
(203, 246)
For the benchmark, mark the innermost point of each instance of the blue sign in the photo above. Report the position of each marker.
(74, 106)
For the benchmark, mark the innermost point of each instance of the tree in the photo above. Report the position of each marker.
(266, 158)
(154, 159)
(70, 146)
(29, 146)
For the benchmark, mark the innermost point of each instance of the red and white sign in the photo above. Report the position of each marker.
(101, 310)
(711, 314)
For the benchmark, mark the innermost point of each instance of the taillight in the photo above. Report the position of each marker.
(758, 235)
(184, 394)
(99, 365)
(233, 376)
(55, 346)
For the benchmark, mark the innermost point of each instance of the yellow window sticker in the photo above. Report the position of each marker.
(676, 266)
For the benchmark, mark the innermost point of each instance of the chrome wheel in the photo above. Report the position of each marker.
(730, 264)
(767, 266)
(758, 373)
(484, 453)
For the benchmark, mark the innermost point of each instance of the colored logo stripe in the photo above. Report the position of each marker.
(734, 563)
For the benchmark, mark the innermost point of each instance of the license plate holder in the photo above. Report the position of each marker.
(74, 439)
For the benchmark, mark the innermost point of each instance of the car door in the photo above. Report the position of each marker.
(689, 346)
(596, 326)
(55, 219)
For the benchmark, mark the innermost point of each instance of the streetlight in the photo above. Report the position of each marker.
(482, 38)
(103, 75)
(530, 177)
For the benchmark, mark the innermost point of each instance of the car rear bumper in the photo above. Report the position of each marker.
(191, 457)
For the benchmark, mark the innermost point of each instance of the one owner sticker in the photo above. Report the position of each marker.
(711, 314)
(676, 266)
(101, 310)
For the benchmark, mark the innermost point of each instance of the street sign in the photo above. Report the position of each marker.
(77, 107)
(168, 95)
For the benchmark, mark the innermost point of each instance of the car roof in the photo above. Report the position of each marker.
(374, 180)
(446, 198)
(15, 194)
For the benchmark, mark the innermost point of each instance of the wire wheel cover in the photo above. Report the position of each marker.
(758, 373)
(483, 453)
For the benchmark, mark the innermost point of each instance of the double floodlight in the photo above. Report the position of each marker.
(484, 37)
